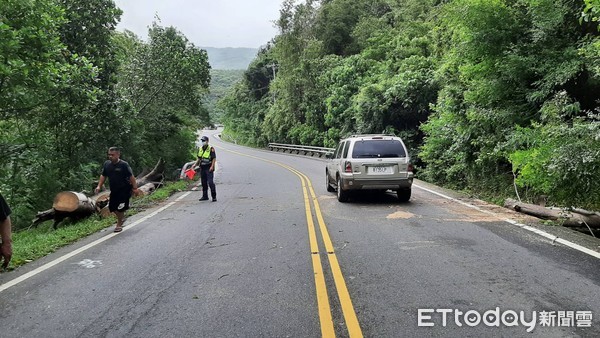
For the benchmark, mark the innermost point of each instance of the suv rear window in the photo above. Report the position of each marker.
(378, 148)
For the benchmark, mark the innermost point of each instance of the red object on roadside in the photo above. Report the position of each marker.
(190, 174)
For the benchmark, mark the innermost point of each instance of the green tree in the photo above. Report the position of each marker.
(87, 103)
(468, 83)
(591, 11)
(503, 64)
(245, 106)
(559, 156)
(297, 110)
(70, 86)
(31, 54)
(164, 82)
(36, 69)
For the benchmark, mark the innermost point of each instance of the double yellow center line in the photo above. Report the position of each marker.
(325, 318)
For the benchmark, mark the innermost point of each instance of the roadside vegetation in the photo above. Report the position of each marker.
(493, 97)
(71, 86)
(490, 95)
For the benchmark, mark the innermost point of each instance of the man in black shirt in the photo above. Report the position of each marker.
(5, 233)
(122, 184)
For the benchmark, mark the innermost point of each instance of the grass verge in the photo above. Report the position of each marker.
(31, 244)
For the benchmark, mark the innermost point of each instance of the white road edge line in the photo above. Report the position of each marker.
(88, 246)
(523, 226)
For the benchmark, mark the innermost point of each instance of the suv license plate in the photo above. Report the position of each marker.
(380, 170)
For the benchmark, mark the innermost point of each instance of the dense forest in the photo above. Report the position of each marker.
(497, 97)
(493, 96)
(71, 86)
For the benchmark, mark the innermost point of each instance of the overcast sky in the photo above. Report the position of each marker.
(206, 23)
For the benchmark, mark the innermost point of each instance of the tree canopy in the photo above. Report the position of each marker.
(488, 94)
(71, 86)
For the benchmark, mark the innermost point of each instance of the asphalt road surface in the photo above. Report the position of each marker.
(279, 256)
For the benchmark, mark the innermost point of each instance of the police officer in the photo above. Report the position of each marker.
(207, 158)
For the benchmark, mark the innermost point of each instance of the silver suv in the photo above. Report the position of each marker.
(369, 162)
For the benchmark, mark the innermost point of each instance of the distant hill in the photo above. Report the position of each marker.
(230, 58)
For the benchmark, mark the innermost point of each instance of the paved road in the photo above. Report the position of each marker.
(269, 259)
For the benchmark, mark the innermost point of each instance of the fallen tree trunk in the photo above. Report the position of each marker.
(42, 216)
(74, 205)
(155, 175)
(77, 205)
(146, 189)
(568, 217)
(73, 202)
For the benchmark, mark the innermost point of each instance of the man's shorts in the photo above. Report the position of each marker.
(4, 209)
(119, 200)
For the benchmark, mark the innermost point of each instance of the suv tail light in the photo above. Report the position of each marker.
(410, 168)
(348, 167)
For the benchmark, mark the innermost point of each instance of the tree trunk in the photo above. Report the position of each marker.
(76, 205)
(146, 189)
(155, 175)
(569, 217)
(74, 202)
(42, 216)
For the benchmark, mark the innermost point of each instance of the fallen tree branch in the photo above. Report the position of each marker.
(568, 217)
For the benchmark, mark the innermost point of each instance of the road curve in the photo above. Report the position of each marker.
(278, 256)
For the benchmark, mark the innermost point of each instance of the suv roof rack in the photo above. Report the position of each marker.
(369, 135)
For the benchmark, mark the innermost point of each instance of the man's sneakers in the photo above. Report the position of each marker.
(214, 199)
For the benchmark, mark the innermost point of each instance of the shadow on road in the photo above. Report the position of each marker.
(374, 197)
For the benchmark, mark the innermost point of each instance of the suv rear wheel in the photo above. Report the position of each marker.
(342, 195)
(404, 194)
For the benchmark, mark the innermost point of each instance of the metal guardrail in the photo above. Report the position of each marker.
(305, 150)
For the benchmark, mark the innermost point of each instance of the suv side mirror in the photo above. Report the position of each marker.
(329, 155)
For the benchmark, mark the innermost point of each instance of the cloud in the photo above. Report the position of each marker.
(206, 23)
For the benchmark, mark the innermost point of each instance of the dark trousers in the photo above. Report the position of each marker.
(206, 177)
